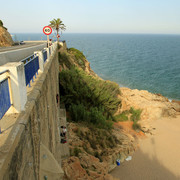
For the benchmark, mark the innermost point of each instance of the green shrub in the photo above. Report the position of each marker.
(136, 114)
(79, 56)
(79, 88)
(121, 117)
(64, 59)
(94, 116)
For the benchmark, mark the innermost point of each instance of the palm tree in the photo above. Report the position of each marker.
(57, 25)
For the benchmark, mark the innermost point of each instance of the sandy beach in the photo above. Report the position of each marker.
(158, 155)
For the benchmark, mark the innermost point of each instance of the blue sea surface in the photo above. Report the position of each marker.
(137, 61)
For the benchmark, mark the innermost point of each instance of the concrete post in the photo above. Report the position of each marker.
(47, 49)
(51, 49)
(18, 84)
(52, 46)
(41, 60)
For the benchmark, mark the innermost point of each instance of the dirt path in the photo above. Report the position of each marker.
(158, 156)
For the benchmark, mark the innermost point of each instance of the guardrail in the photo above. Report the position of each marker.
(27, 59)
(5, 100)
(31, 69)
(13, 81)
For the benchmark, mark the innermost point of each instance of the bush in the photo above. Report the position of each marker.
(88, 99)
(121, 117)
(78, 54)
(79, 57)
(136, 114)
(64, 59)
(94, 116)
(79, 88)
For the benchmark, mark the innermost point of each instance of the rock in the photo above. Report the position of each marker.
(73, 169)
(168, 112)
(175, 101)
(176, 105)
(86, 167)
(154, 106)
(5, 37)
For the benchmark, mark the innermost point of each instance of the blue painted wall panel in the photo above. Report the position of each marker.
(45, 55)
(5, 102)
(31, 68)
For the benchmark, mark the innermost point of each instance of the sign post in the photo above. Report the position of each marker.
(47, 30)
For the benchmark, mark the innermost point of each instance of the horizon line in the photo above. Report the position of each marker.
(98, 33)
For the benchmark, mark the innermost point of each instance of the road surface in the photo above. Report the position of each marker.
(19, 52)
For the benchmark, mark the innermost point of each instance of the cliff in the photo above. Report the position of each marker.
(93, 148)
(94, 151)
(154, 106)
(5, 37)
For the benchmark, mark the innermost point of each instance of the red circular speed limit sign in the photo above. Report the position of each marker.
(47, 30)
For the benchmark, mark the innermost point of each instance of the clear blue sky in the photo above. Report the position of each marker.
(93, 16)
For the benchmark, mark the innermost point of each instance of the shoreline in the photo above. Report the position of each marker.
(156, 157)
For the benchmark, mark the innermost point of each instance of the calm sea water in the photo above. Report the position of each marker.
(149, 62)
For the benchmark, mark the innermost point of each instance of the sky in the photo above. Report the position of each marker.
(93, 16)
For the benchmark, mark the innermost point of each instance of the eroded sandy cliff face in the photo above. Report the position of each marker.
(5, 38)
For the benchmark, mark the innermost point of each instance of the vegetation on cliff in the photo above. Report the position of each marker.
(92, 106)
(89, 99)
(131, 114)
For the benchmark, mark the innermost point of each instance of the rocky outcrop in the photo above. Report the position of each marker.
(68, 59)
(91, 161)
(153, 106)
(5, 38)
(85, 167)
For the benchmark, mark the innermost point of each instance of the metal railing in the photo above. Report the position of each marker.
(27, 59)
(31, 69)
(5, 100)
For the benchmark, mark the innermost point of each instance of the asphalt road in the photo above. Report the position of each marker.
(18, 52)
(27, 44)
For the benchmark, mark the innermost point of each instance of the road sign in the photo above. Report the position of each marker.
(47, 30)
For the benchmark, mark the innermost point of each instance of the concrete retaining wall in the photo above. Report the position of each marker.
(38, 125)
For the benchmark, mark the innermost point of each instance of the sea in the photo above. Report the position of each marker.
(138, 61)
